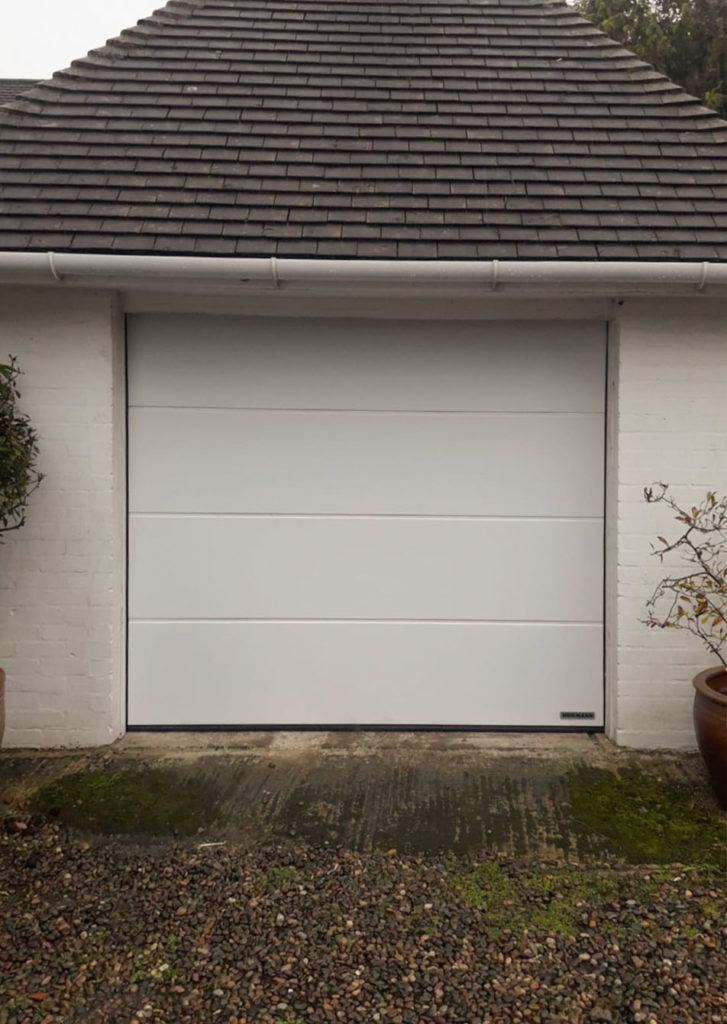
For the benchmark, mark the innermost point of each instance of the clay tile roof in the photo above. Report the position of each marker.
(11, 87)
(470, 129)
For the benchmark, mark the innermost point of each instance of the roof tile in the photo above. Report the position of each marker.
(355, 128)
(10, 88)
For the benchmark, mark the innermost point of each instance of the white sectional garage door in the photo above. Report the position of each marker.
(365, 522)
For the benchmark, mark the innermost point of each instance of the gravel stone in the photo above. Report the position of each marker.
(170, 932)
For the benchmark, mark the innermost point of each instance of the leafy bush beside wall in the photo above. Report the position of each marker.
(19, 476)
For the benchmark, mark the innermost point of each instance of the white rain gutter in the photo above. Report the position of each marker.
(449, 277)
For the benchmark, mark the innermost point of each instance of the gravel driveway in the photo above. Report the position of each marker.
(113, 932)
(401, 880)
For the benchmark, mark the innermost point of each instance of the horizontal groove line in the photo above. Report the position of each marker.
(396, 622)
(365, 516)
(371, 412)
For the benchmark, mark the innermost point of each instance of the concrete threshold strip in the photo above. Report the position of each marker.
(473, 278)
(353, 743)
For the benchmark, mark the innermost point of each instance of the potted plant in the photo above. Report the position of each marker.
(18, 474)
(696, 600)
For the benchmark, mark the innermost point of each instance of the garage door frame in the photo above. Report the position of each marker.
(574, 723)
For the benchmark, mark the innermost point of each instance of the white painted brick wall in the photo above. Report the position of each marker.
(669, 423)
(62, 576)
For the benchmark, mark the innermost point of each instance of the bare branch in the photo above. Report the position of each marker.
(696, 601)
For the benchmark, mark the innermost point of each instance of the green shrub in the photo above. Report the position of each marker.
(18, 452)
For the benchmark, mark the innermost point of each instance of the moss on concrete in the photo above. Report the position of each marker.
(140, 801)
(645, 818)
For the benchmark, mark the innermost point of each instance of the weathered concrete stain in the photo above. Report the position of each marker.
(414, 793)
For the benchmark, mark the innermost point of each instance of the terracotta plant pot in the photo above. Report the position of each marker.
(710, 725)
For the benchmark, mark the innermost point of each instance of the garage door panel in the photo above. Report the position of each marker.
(216, 461)
(262, 362)
(363, 568)
(364, 674)
(365, 522)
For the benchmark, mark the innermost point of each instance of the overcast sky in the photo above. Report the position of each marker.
(39, 37)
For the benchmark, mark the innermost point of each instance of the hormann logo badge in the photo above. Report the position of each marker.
(578, 714)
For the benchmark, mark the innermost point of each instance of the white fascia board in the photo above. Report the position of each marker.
(209, 275)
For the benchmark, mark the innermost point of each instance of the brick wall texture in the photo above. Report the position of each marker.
(671, 426)
(61, 577)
